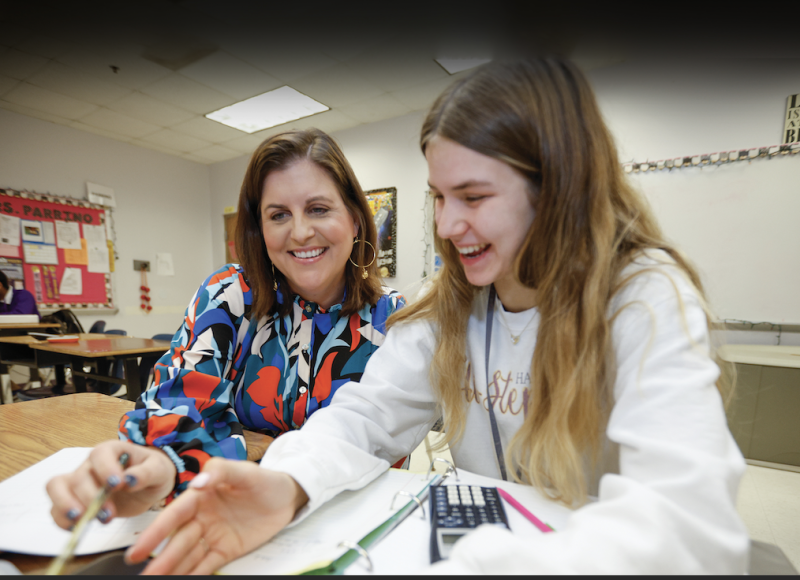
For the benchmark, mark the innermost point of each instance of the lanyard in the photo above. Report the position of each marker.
(498, 446)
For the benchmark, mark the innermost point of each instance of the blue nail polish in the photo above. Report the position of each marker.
(72, 515)
(103, 515)
(113, 481)
(130, 480)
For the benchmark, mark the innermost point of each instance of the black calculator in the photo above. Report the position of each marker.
(458, 509)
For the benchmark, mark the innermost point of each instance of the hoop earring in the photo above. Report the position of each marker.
(274, 279)
(364, 273)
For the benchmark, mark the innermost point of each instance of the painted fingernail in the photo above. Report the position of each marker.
(200, 480)
(73, 514)
(103, 515)
(113, 481)
(130, 480)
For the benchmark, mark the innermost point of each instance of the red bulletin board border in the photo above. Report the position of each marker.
(48, 208)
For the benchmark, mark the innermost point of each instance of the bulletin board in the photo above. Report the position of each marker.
(56, 248)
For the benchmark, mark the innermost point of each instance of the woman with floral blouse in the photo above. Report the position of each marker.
(264, 343)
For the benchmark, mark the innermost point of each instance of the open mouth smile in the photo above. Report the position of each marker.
(308, 254)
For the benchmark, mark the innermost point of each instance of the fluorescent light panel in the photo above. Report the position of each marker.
(267, 110)
(454, 65)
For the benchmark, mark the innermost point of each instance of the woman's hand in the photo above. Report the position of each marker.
(228, 510)
(149, 477)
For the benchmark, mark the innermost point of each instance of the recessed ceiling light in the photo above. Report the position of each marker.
(454, 65)
(267, 110)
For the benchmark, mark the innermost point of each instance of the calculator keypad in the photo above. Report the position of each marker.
(465, 506)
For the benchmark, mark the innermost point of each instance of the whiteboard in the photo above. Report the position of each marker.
(739, 223)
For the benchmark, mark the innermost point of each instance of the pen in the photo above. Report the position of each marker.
(521, 509)
(57, 565)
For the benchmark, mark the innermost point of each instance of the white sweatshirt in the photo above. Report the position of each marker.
(667, 507)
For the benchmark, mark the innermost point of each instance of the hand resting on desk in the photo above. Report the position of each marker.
(150, 477)
(228, 510)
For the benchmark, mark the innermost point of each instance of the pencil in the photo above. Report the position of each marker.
(57, 566)
(521, 509)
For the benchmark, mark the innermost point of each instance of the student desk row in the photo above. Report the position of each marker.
(33, 430)
(90, 348)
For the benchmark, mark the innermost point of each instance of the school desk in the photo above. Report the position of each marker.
(33, 430)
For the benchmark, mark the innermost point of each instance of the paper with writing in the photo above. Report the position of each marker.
(27, 527)
(68, 235)
(71, 282)
(9, 230)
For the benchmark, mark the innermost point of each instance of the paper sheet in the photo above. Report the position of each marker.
(40, 254)
(32, 231)
(95, 236)
(349, 516)
(48, 233)
(71, 282)
(9, 230)
(410, 540)
(77, 257)
(9, 251)
(68, 235)
(27, 527)
(98, 259)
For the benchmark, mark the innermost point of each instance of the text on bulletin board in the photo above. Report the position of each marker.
(57, 248)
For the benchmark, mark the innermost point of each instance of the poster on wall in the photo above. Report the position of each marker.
(383, 203)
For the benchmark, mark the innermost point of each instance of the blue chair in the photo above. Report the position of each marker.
(147, 363)
(98, 327)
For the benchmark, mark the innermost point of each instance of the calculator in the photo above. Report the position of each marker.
(458, 509)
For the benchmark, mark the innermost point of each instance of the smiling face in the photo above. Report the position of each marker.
(485, 208)
(308, 231)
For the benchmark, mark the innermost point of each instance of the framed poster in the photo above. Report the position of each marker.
(383, 203)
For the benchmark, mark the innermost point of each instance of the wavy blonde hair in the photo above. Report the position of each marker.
(541, 117)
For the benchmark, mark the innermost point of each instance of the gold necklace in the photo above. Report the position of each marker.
(514, 338)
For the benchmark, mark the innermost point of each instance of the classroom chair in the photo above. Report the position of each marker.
(98, 327)
(147, 363)
(104, 367)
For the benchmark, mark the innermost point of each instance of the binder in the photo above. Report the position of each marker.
(341, 531)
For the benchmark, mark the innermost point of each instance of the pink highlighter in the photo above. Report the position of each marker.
(521, 509)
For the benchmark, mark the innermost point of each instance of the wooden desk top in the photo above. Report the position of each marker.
(28, 325)
(28, 339)
(33, 430)
(105, 345)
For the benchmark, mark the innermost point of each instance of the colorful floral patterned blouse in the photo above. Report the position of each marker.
(224, 371)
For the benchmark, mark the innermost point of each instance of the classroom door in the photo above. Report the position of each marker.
(230, 237)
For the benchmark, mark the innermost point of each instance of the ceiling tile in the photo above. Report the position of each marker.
(195, 158)
(44, 116)
(155, 147)
(217, 153)
(207, 129)
(172, 140)
(329, 121)
(118, 123)
(395, 68)
(97, 131)
(231, 76)
(43, 100)
(285, 61)
(375, 109)
(7, 83)
(184, 92)
(422, 96)
(133, 71)
(66, 80)
(336, 87)
(13, 35)
(146, 108)
(247, 143)
(20, 65)
(45, 46)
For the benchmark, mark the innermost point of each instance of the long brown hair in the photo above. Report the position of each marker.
(540, 116)
(277, 153)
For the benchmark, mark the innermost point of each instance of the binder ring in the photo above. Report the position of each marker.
(353, 546)
(413, 497)
(450, 468)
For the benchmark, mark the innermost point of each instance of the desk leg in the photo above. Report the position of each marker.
(79, 382)
(132, 378)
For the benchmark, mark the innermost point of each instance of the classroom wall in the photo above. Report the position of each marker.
(163, 205)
